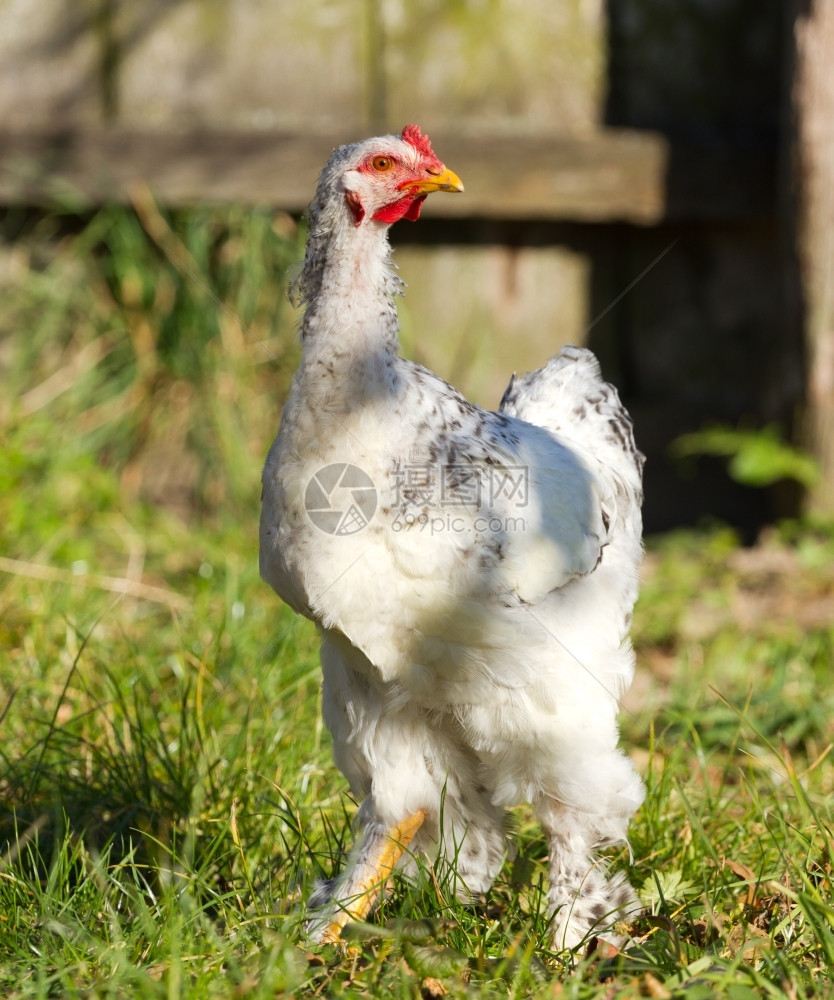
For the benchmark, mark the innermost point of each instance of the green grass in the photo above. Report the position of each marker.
(166, 789)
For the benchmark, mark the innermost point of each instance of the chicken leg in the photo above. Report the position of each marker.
(583, 900)
(357, 890)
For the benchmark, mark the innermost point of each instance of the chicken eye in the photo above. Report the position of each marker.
(382, 163)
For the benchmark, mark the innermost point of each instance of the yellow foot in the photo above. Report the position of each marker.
(372, 874)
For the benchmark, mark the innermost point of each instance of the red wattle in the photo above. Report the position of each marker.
(413, 214)
(405, 208)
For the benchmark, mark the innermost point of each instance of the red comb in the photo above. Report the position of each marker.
(413, 136)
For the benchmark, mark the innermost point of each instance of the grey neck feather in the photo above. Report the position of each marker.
(329, 225)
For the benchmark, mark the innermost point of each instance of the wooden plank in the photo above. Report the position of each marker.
(813, 104)
(537, 66)
(50, 63)
(249, 64)
(617, 175)
(477, 313)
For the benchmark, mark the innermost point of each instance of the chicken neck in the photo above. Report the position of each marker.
(349, 331)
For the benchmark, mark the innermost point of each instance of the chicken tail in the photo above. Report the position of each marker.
(570, 398)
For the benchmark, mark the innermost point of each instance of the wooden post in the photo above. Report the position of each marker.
(813, 104)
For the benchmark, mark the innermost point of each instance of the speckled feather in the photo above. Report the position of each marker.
(474, 633)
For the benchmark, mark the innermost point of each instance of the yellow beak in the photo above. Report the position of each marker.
(443, 180)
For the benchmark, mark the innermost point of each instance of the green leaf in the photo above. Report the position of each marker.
(756, 458)
(666, 886)
(428, 961)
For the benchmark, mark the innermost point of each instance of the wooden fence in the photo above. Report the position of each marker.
(601, 142)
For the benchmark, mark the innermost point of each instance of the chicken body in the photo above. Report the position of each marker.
(474, 580)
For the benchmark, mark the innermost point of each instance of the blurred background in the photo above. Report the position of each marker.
(653, 180)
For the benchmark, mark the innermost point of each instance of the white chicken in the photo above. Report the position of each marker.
(472, 574)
